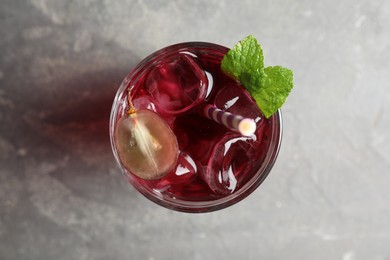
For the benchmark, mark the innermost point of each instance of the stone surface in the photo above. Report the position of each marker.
(62, 195)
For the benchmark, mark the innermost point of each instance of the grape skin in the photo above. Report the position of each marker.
(146, 145)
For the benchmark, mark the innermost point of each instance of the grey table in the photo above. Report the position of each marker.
(62, 195)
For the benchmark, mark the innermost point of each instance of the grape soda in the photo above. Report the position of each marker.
(214, 166)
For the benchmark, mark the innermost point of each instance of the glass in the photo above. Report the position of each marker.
(193, 185)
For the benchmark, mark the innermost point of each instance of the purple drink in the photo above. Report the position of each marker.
(213, 167)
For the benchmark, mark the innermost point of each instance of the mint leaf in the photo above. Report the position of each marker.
(244, 60)
(276, 84)
(268, 86)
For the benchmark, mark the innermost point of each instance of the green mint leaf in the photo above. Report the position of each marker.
(244, 60)
(276, 84)
(268, 86)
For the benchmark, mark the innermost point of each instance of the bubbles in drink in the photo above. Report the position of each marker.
(146, 145)
(177, 85)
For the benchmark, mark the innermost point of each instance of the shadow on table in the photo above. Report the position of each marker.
(72, 134)
(77, 122)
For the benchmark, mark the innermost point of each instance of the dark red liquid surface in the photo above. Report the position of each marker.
(213, 161)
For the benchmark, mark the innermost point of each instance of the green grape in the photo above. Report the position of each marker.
(146, 145)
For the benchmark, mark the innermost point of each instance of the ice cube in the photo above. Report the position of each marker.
(177, 85)
(147, 102)
(233, 157)
(184, 173)
(144, 102)
(234, 99)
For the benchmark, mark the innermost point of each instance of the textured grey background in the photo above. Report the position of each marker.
(62, 195)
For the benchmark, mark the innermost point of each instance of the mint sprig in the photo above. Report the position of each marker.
(268, 86)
